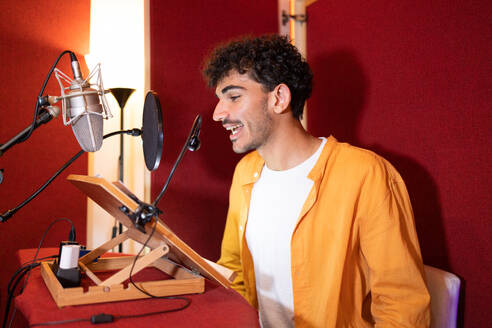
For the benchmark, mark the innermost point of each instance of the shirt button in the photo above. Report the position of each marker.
(256, 174)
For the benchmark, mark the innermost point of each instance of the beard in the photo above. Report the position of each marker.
(259, 128)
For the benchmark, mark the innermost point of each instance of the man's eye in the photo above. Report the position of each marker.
(233, 98)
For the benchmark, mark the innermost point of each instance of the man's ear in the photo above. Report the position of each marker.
(280, 98)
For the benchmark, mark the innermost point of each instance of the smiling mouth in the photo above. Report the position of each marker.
(234, 129)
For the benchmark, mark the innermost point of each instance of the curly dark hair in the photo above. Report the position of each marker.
(269, 60)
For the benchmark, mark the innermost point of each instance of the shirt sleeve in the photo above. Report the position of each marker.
(390, 246)
(231, 251)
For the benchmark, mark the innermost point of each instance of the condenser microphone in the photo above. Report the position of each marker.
(85, 110)
(84, 106)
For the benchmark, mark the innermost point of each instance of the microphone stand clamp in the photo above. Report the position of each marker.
(5, 216)
(144, 214)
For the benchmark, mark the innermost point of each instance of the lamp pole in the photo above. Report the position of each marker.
(121, 95)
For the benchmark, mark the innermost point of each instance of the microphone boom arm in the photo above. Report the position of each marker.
(192, 144)
(44, 117)
(8, 214)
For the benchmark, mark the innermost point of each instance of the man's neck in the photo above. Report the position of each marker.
(288, 147)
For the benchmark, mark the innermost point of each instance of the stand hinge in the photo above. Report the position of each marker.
(298, 18)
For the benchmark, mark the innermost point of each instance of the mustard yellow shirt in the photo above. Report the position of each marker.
(355, 257)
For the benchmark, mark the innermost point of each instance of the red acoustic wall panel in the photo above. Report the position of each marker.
(411, 81)
(182, 34)
(33, 34)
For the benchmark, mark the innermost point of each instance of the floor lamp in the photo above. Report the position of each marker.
(121, 95)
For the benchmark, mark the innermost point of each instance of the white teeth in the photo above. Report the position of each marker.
(234, 128)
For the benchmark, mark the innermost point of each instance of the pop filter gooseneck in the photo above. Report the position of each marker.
(192, 143)
(152, 135)
(152, 131)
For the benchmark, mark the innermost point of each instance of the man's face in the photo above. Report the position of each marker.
(243, 110)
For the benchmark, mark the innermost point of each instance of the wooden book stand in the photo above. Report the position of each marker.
(168, 254)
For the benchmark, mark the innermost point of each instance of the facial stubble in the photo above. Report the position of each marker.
(259, 129)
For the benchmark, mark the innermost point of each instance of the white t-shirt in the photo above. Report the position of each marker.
(276, 203)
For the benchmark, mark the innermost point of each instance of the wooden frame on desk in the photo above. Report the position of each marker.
(169, 254)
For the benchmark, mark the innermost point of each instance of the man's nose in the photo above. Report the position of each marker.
(220, 112)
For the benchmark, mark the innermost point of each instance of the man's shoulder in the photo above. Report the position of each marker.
(354, 154)
(354, 158)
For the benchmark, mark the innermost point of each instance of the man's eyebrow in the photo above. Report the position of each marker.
(231, 87)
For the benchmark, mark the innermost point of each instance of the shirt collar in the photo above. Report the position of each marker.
(255, 164)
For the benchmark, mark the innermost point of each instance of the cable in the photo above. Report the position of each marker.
(41, 242)
(5, 216)
(26, 270)
(24, 267)
(14, 281)
(10, 294)
(36, 109)
(41, 258)
(135, 261)
(144, 291)
(105, 318)
(61, 322)
(188, 302)
(11, 212)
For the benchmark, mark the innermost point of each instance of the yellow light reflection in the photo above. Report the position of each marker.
(117, 41)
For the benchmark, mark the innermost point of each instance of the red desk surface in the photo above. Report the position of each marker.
(216, 307)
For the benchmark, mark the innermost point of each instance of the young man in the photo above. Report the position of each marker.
(320, 233)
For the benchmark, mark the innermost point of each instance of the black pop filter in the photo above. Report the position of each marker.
(152, 131)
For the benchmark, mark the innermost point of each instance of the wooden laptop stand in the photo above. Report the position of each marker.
(169, 254)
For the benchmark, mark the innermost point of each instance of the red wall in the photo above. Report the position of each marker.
(411, 81)
(195, 204)
(406, 79)
(32, 35)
